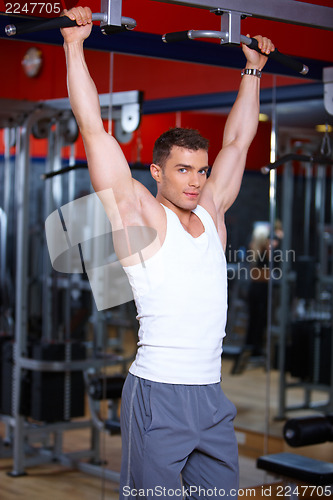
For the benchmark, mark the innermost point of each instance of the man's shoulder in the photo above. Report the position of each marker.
(207, 202)
(151, 211)
(148, 202)
(217, 216)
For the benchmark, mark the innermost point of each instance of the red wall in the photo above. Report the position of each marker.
(157, 17)
(209, 125)
(157, 78)
(160, 78)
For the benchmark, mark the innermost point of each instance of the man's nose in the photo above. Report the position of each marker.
(195, 179)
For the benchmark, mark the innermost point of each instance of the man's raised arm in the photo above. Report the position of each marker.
(240, 129)
(107, 165)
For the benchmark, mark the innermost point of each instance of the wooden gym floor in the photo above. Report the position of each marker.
(247, 391)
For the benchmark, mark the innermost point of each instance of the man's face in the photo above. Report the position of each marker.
(183, 177)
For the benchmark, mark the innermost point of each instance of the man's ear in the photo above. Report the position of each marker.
(156, 172)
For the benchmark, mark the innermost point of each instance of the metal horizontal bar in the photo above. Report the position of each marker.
(289, 93)
(288, 11)
(61, 366)
(42, 429)
(151, 45)
(99, 471)
(118, 99)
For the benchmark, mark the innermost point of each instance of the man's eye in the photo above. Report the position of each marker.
(182, 170)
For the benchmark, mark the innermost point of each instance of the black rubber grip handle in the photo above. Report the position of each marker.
(40, 24)
(287, 61)
(177, 36)
(64, 170)
(316, 159)
(305, 431)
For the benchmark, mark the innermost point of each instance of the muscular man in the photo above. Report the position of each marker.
(177, 425)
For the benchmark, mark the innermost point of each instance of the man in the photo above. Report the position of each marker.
(176, 422)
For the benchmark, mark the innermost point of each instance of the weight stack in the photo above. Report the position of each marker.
(57, 396)
(7, 346)
(325, 365)
(6, 377)
(310, 352)
(305, 267)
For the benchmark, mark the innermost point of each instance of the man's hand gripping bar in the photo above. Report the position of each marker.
(252, 43)
(39, 24)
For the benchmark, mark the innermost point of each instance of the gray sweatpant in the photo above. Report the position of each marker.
(178, 441)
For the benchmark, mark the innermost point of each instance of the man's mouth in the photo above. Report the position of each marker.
(191, 194)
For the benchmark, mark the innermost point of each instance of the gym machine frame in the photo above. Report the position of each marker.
(287, 11)
(323, 278)
(126, 108)
(111, 20)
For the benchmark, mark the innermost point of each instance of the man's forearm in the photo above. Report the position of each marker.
(242, 122)
(82, 91)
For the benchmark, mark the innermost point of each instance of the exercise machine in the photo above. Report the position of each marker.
(296, 469)
(39, 360)
(303, 331)
(111, 21)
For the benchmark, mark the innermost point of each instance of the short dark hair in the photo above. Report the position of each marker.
(187, 138)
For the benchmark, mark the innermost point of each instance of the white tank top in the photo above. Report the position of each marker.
(181, 299)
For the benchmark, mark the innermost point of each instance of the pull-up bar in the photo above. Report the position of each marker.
(288, 11)
(316, 159)
(250, 42)
(112, 21)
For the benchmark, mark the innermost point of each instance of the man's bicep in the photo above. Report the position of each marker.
(226, 176)
(108, 167)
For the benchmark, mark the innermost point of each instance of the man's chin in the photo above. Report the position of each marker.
(184, 203)
(189, 204)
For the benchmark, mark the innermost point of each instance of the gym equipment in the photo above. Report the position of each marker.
(110, 19)
(67, 399)
(229, 37)
(64, 170)
(297, 432)
(6, 278)
(315, 158)
(84, 166)
(126, 109)
(305, 431)
(230, 33)
(105, 387)
(308, 356)
(64, 366)
(309, 470)
(303, 331)
(32, 361)
(328, 89)
(305, 14)
(67, 396)
(148, 44)
(5, 381)
(287, 11)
